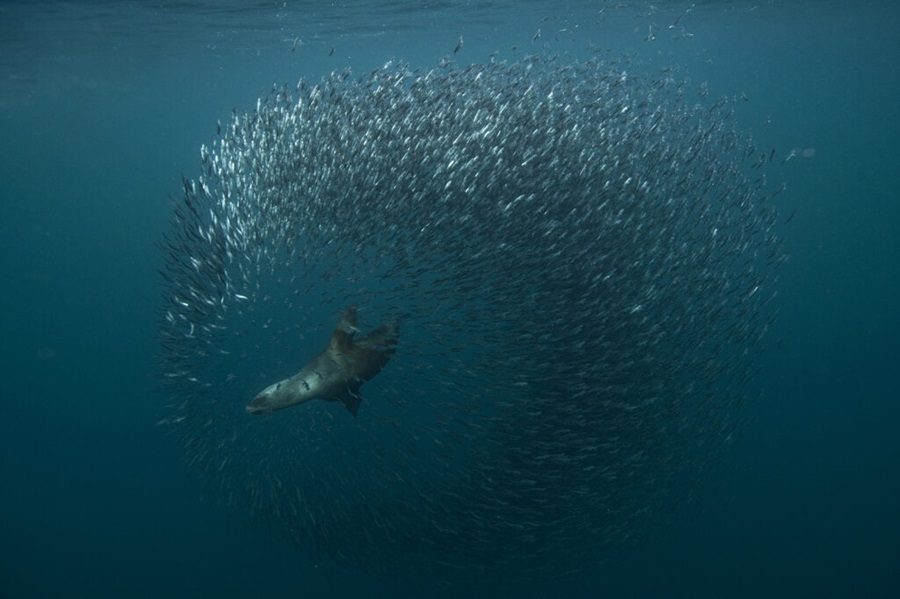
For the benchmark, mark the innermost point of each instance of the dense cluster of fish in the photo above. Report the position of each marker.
(583, 270)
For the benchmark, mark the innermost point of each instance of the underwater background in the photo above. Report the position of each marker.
(103, 108)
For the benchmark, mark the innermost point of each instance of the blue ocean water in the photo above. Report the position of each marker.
(103, 108)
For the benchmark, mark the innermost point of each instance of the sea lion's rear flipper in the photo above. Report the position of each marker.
(351, 400)
(342, 338)
(383, 339)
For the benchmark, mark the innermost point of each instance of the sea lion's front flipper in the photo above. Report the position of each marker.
(351, 400)
(342, 338)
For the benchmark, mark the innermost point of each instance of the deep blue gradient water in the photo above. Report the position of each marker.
(103, 108)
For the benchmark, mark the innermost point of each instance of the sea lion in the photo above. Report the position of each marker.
(338, 372)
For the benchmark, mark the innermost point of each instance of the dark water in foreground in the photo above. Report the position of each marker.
(103, 108)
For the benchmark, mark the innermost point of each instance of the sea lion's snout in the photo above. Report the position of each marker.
(259, 405)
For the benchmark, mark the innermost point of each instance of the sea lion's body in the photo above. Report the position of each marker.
(338, 372)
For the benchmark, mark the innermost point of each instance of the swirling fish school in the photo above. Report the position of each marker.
(584, 272)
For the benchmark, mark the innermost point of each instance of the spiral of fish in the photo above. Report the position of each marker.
(583, 271)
